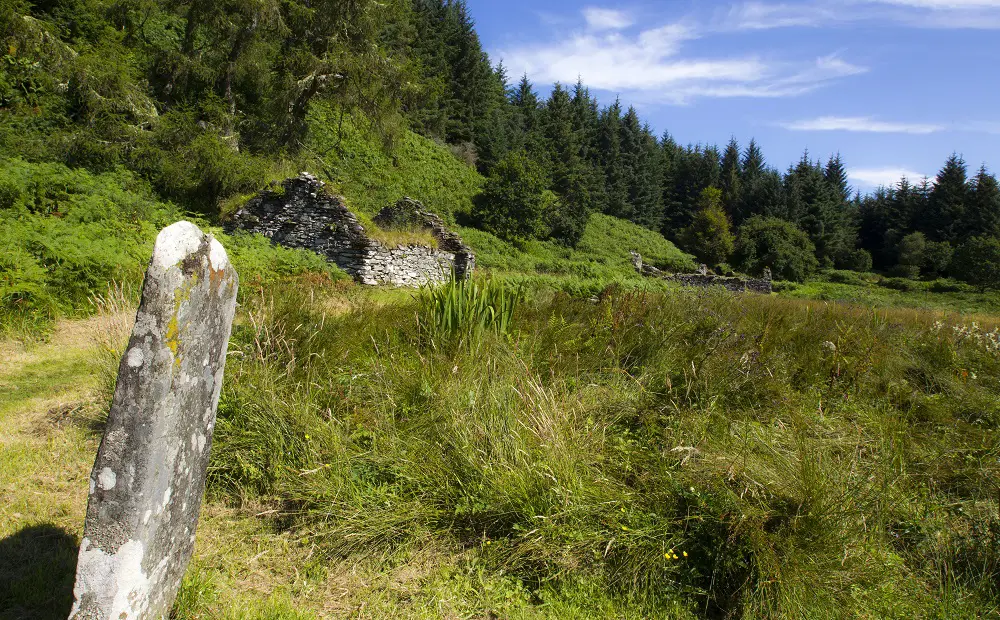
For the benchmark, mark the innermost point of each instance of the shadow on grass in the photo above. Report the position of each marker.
(37, 567)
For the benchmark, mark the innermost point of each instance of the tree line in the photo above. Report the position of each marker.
(199, 96)
(550, 162)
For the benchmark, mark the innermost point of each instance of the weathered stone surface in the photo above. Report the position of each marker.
(300, 213)
(149, 476)
(704, 279)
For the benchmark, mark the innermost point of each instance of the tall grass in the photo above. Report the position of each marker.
(678, 454)
(462, 311)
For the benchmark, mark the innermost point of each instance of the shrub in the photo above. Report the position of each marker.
(855, 260)
(937, 258)
(898, 284)
(948, 286)
(910, 250)
(709, 237)
(10, 193)
(845, 277)
(911, 272)
(775, 243)
(977, 261)
(514, 199)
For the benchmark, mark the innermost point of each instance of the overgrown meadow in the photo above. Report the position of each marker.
(683, 453)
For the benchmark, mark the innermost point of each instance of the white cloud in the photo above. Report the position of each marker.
(860, 124)
(952, 14)
(886, 177)
(763, 16)
(650, 62)
(943, 4)
(606, 19)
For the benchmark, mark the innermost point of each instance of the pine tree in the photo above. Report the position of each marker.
(946, 209)
(709, 237)
(609, 141)
(761, 192)
(527, 118)
(639, 161)
(567, 169)
(983, 217)
(729, 181)
(816, 207)
(836, 177)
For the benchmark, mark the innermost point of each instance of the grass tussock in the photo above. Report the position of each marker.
(676, 454)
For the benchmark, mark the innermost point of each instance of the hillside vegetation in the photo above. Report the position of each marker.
(558, 437)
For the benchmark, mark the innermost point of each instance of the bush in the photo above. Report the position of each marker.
(709, 237)
(911, 272)
(910, 251)
(845, 277)
(10, 193)
(775, 243)
(977, 261)
(898, 284)
(514, 199)
(855, 260)
(948, 286)
(937, 258)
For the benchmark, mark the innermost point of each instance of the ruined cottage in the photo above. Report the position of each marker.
(300, 213)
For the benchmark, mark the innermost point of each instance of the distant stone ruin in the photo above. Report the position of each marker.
(300, 213)
(705, 279)
(149, 476)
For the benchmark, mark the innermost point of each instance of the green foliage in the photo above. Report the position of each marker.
(461, 312)
(601, 256)
(603, 446)
(912, 251)
(709, 237)
(856, 260)
(68, 234)
(514, 202)
(775, 244)
(352, 157)
(977, 261)
(937, 258)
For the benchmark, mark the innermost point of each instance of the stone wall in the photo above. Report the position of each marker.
(300, 213)
(704, 279)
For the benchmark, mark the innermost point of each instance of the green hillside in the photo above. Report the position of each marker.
(558, 437)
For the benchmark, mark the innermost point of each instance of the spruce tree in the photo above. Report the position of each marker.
(527, 118)
(729, 181)
(709, 237)
(609, 141)
(983, 216)
(946, 209)
(567, 169)
(836, 177)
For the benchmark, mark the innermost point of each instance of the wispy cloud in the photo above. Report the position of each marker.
(651, 62)
(943, 4)
(881, 177)
(764, 16)
(606, 19)
(955, 14)
(860, 124)
(868, 124)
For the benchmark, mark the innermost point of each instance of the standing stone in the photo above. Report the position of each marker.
(149, 477)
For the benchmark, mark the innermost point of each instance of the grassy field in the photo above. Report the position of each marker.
(678, 454)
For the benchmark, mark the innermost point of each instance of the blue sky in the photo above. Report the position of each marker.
(895, 86)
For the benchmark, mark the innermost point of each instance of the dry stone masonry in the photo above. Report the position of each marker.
(300, 213)
(149, 476)
(704, 279)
